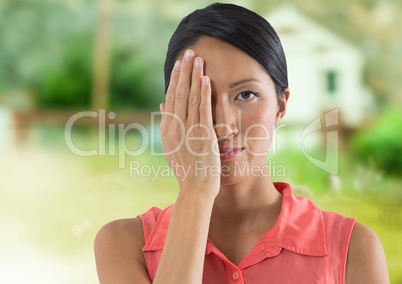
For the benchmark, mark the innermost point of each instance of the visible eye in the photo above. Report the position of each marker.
(246, 96)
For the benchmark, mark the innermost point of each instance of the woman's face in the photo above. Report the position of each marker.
(245, 108)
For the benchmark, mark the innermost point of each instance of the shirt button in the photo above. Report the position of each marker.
(235, 276)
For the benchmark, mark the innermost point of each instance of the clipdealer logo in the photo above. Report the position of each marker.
(272, 169)
(327, 127)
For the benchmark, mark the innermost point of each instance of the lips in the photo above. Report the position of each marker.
(230, 152)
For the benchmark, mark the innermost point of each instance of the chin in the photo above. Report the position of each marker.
(231, 175)
(225, 181)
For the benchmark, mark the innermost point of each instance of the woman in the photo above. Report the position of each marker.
(226, 90)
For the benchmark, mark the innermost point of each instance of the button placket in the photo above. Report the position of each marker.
(235, 275)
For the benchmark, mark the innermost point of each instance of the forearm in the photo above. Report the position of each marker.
(182, 259)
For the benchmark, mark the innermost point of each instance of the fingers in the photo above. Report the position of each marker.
(170, 94)
(188, 97)
(183, 86)
(195, 90)
(205, 109)
(162, 107)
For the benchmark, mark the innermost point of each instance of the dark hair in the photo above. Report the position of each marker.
(237, 26)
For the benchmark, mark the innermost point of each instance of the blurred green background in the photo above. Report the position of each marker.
(61, 57)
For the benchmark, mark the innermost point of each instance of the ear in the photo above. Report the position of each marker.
(282, 104)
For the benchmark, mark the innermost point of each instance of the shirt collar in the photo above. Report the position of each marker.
(300, 228)
(157, 236)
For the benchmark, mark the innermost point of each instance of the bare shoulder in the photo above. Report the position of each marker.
(366, 261)
(118, 252)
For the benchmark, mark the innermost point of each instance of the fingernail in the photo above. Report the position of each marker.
(197, 63)
(177, 65)
(205, 81)
(189, 55)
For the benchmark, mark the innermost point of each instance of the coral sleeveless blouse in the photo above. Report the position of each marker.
(306, 245)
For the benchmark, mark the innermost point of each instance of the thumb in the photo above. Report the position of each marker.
(162, 107)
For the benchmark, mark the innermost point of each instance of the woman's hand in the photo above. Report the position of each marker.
(189, 140)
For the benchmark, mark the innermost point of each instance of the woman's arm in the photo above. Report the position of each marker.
(182, 259)
(118, 253)
(188, 98)
(366, 262)
(118, 245)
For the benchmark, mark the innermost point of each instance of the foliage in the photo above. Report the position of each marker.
(380, 145)
(33, 34)
(132, 83)
(66, 83)
(48, 47)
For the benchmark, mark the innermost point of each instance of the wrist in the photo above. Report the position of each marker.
(195, 196)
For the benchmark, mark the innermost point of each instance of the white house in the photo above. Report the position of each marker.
(5, 128)
(325, 71)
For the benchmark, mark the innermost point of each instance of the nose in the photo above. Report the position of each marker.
(225, 120)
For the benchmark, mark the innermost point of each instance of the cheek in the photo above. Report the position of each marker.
(258, 123)
(258, 130)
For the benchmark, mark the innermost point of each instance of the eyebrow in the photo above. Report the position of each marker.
(235, 84)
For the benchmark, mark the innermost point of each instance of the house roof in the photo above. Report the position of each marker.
(294, 28)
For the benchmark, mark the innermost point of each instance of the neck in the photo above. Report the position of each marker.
(247, 202)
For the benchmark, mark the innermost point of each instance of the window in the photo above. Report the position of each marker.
(332, 82)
